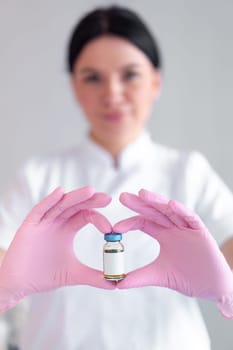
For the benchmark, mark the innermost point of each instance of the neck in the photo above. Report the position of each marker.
(113, 146)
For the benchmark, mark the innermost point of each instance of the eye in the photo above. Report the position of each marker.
(94, 78)
(130, 75)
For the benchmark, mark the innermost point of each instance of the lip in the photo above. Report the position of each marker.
(113, 116)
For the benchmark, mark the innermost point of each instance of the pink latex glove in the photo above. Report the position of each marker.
(41, 256)
(189, 262)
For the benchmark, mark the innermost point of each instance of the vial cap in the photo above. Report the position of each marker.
(112, 236)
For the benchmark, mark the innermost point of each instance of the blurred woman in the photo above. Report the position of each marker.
(115, 71)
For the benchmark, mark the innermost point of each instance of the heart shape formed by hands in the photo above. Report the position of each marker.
(41, 258)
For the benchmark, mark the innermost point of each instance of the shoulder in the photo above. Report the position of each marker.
(184, 160)
(188, 173)
(41, 173)
(51, 160)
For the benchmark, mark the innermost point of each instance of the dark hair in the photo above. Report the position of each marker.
(113, 20)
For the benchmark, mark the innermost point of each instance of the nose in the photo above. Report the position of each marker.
(113, 92)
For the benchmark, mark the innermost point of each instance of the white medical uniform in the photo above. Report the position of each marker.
(149, 318)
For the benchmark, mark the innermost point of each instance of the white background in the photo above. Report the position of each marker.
(38, 113)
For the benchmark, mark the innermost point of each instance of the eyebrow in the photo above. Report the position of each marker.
(87, 70)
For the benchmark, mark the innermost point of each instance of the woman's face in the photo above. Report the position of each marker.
(115, 85)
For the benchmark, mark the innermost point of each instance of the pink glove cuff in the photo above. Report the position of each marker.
(225, 306)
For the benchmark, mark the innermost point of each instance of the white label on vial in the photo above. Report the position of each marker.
(114, 263)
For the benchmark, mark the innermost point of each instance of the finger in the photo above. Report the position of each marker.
(162, 205)
(91, 216)
(173, 216)
(98, 200)
(129, 224)
(193, 221)
(135, 279)
(85, 275)
(147, 275)
(152, 197)
(139, 206)
(39, 210)
(139, 223)
(69, 199)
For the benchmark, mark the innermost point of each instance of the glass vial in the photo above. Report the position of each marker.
(113, 257)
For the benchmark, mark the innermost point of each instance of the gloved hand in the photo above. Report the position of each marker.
(189, 262)
(41, 257)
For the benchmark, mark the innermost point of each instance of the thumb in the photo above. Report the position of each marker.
(85, 275)
(150, 275)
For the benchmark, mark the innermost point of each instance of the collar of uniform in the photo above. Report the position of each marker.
(132, 154)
